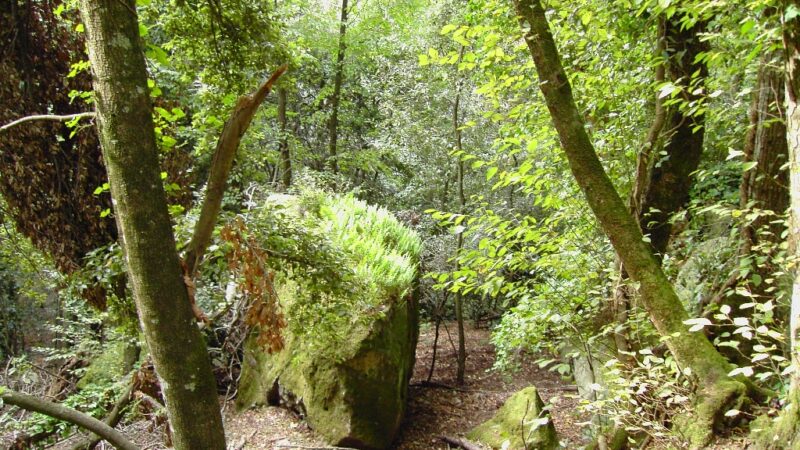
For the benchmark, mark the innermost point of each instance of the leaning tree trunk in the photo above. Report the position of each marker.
(333, 122)
(718, 391)
(125, 126)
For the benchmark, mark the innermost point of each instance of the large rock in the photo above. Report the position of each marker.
(352, 391)
(521, 423)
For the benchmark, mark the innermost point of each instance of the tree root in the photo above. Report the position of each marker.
(713, 402)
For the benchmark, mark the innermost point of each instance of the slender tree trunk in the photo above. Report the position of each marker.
(333, 123)
(283, 146)
(462, 201)
(709, 368)
(125, 126)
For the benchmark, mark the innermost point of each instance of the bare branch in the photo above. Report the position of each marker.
(50, 117)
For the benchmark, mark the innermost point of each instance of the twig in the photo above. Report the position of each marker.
(460, 443)
(241, 445)
(316, 447)
(51, 117)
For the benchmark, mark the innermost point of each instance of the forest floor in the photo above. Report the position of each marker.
(432, 411)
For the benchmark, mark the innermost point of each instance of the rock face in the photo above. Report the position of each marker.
(506, 429)
(351, 391)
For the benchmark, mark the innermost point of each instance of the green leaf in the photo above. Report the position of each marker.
(448, 28)
(490, 173)
(791, 12)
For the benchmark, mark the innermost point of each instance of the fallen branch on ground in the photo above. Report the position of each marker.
(460, 443)
(113, 418)
(70, 415)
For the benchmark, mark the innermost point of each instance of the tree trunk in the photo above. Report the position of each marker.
(125, 126)
(669, 177)
(691, 350)
(283, 146)
(764, 188)
(786, 433)
(462, 201)
(333, 123)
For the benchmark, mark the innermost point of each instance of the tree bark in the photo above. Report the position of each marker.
(786, 433)
(283, 146)
(462, 201)
(669, 177)
(691, 350)
(130, 152)
(764, 188)
(333, 123)
(70, 415)
(221, 165)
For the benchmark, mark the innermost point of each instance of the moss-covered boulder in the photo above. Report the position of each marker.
(521, 423)
(348, 355)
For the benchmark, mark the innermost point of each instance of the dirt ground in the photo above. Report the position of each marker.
(432, 411)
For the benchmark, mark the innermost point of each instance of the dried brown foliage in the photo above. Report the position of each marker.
(48, 177)
(249, 262)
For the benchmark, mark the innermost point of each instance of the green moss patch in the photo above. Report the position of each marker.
(349, 350)
(521, 423)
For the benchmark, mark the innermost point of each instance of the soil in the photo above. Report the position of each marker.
(434, 409)
(438, 408)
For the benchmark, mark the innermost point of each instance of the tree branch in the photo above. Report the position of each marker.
(50, 117)
(70, 415)
(221, 166)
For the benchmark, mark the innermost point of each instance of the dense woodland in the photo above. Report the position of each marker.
(211, 206)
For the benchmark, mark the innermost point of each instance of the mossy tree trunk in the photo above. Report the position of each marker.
(338, 80)
(125, 126)
(691, 350)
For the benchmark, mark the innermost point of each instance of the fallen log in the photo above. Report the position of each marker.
(70, 415)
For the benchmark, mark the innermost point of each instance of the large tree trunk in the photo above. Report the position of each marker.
(763, 188)
(333, 123)
(786, 433)
(125, 126)
(692, 350)
(669, 176)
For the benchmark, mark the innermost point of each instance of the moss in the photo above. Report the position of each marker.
(709, 416)
(349, 377)
(782, 432)
(518, 423)
(109, 366)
